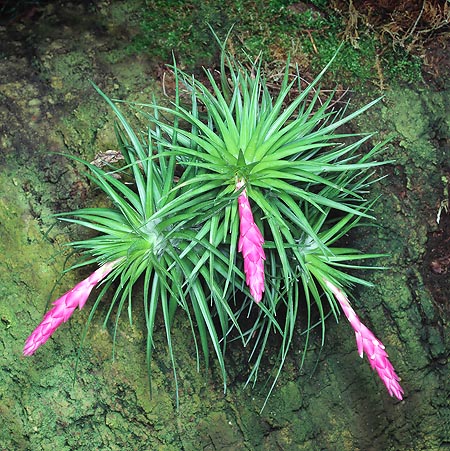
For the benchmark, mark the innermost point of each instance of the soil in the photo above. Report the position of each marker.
(48, 108)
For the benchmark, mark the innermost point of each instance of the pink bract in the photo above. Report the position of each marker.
(250, 244)
(368, 343)
(64, 308)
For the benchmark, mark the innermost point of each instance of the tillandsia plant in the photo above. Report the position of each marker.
(236, 190)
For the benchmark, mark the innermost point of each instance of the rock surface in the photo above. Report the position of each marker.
(49, 108)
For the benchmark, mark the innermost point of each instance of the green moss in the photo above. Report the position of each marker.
(310, 33)
(399, 65)
(181, 28)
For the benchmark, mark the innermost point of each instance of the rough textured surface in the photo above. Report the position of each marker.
(335, 402)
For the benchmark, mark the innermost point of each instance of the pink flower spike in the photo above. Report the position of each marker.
(64, 307)
(250, 244)
(368, 343)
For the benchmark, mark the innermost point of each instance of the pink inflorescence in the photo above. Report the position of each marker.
(368, 343)
(250, 244)
(64, 308)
